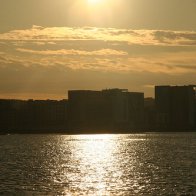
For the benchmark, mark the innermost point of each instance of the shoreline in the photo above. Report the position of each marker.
(93, 132)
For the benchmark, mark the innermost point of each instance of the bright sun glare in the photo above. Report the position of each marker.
(94, 1)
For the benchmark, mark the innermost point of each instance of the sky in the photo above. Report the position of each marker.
(48, 47)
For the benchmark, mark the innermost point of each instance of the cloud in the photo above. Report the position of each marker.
(140, 37)
(105, 60)
(102, 52)
(101, 49)
(177, 37)
(47, 61)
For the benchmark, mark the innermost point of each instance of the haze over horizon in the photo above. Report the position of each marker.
(48, 47)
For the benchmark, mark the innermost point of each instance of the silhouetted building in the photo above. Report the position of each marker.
(33, 115)
(10, 112)
(149, 113)
(175, 106)
(195, 112)
(107, 109)
(47, 114)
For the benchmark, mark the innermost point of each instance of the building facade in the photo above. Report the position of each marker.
(33, 115)
(108, 109)
(175, 106)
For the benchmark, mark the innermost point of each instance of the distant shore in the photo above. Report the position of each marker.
(81, 132)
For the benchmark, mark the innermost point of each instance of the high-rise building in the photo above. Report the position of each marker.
(175, 106)
(106, 109)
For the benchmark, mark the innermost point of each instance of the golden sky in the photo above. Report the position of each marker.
(48, 47)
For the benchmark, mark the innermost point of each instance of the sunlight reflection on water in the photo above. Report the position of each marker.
(92, 156)
(137, 164)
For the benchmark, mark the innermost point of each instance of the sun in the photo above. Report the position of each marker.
(94, 1)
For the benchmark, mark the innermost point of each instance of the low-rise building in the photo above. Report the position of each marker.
(33, 115)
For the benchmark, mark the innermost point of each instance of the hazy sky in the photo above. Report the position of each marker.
(50, 46)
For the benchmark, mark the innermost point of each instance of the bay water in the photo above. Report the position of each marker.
(113, 164)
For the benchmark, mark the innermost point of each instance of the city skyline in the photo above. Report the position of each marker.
(48, 47)
(103, 111)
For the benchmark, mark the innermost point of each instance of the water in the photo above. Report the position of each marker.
(135, 164)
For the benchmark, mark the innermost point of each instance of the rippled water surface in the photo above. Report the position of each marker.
(135, 164)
